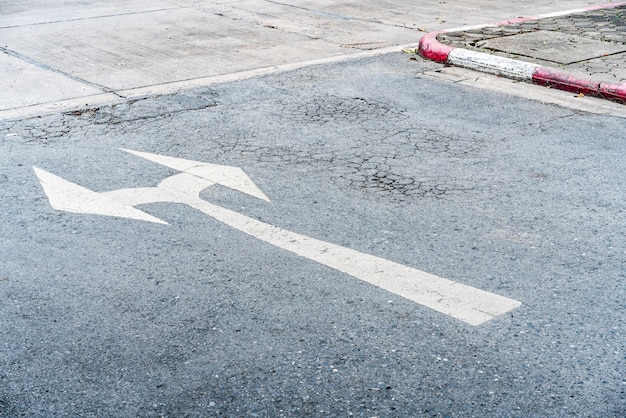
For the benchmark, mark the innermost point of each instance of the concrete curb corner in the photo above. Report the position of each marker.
(430, 48)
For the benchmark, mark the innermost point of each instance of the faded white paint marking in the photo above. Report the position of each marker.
(460, 301)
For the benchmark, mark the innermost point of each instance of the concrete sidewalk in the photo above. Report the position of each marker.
(582, 51)
(63, 54)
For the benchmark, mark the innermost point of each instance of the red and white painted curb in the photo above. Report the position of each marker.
(432, 49)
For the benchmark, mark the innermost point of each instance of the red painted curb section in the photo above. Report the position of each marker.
(551, 77)
(615, 92)
(430, 48)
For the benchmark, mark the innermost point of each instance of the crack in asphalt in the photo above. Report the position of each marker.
(374, 147)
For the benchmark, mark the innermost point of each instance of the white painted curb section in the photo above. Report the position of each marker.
(479, 61)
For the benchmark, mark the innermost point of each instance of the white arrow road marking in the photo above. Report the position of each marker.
(233, 177)
(460, 301)
(70, 197)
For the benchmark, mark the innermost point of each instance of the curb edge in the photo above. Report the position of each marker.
(430, 48)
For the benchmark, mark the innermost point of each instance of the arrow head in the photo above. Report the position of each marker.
(70, 197)
(232, 177)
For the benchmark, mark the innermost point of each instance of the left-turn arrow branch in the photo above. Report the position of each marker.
(70, 197)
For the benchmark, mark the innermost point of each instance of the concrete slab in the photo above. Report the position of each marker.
(131, 46)
(138, 50)
(346, 32)
(430, 15)
(25, 84)
(37, 12)
(552, 46)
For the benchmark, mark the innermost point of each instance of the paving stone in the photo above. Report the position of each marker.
(591, 44)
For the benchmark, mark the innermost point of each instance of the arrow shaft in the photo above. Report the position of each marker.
(460, 301)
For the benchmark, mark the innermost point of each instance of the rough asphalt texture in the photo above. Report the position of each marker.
(114, 317)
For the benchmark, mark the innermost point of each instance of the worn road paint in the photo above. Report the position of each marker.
(466, 303)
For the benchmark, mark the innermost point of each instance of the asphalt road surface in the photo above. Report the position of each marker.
(181, 314)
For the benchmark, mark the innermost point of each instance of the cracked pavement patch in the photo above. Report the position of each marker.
(372, 145)
(381, 166)
(147, 108)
